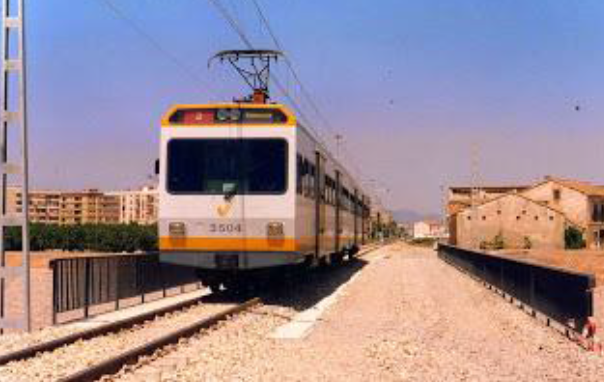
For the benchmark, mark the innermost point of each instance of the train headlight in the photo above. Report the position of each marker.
(177, 229)
(275, 230)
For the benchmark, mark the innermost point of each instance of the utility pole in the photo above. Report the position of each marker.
(475, 192)
(338, 138)
(14, 168)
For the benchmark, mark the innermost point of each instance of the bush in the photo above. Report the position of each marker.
(424, 242)
(86, 237)
(573, 238)
(528, 244)
(496, 244)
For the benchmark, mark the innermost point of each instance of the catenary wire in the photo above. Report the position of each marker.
(121, 15)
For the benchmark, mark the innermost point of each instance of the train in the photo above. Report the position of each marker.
(244, 187)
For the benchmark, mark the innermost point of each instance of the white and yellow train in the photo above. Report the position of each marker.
(245, 187)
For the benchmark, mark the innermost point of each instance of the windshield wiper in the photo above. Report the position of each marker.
(230, 194)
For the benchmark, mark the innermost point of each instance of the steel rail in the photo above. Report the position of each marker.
(115, 364)
(33, 351)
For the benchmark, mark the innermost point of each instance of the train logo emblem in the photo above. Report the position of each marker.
(224, 209)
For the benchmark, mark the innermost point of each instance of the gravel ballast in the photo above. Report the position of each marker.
(64, 361)
(407, 317)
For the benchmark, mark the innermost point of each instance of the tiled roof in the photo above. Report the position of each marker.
(580, 186)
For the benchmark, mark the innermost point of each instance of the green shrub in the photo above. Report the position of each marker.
(573, 238)
(424, 242)
(498, 242)
(86, 237)
(528, 244)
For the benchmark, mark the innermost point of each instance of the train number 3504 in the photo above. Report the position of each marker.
(226, 228)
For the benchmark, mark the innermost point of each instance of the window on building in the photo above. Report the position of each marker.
(598, 213)
(557, 194)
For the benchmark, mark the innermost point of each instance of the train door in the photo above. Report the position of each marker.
(355, 213)
(240, 207)
(338, 227)
(363, 222)
(319, 204)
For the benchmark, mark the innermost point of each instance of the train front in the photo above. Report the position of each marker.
(227, 189)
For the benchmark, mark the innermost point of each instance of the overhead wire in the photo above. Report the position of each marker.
(290, 65)
(303, 89)
(233, 23)
(121, 15)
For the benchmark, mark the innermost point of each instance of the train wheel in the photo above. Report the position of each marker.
(337, 258)
(325, 261)
(352, 252)
(214, 287)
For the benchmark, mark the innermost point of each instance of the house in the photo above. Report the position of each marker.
(459, 198)
(581, 202)
(511, 221)
(520, 216)
(428, 229)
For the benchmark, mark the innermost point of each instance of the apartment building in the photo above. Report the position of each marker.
(89, 206)
(44, 206)
(137, 206)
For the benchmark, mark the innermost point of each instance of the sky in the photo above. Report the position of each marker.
(411, 85)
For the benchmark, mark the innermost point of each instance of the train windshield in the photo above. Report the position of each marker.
(227, 166)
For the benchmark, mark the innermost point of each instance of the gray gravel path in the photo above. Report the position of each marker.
(408, 317)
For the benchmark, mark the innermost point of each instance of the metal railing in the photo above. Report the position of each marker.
(80, 283)
(561, 295)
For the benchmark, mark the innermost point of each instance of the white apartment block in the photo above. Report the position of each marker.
(137, 206)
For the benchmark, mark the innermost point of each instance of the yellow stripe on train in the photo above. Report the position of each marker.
(288, 244)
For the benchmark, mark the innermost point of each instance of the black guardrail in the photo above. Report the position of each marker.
(82, 282)
(562, 295)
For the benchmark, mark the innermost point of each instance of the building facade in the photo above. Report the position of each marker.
(89, 207)
(520, 216)
(581, 202)
(137, 206)
(511, 221)
(459, 198)
(67, 207)
(428, 229)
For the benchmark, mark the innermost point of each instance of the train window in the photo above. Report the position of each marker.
(220, 166)
(312, 184)
(307, 179)
(300, 174)
(330, 190)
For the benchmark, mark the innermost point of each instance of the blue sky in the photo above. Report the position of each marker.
(412, 85)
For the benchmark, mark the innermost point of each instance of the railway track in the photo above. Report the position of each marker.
(116, 363)
(112, 327)
(104, 350)
(120, 343)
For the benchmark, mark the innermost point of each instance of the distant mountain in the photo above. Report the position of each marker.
(409, 216)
